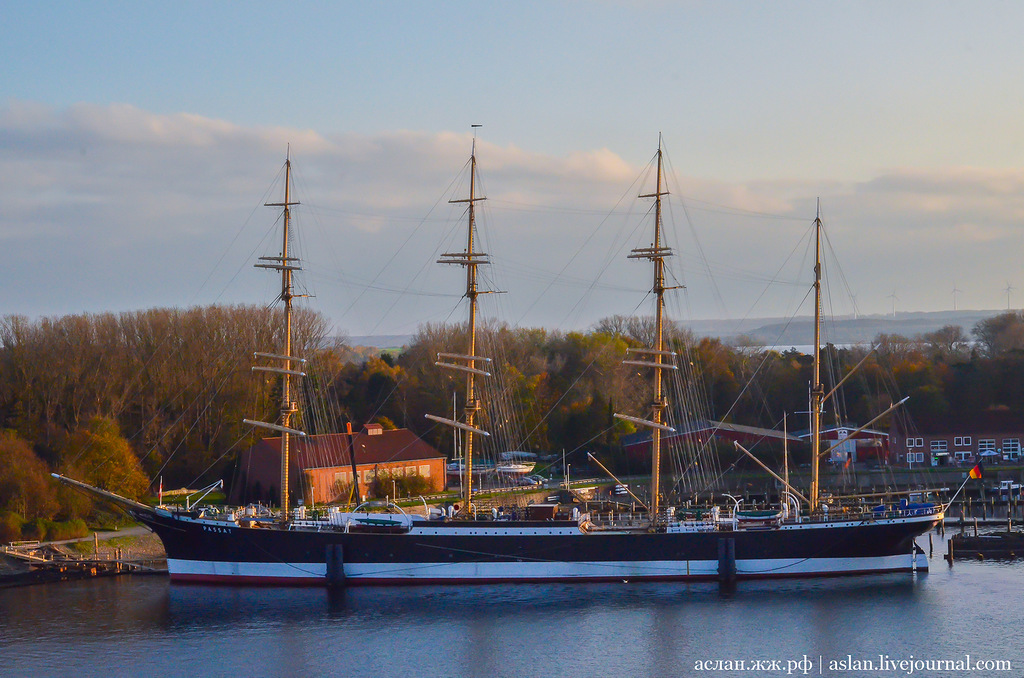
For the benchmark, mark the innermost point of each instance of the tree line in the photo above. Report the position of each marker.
(119, 400)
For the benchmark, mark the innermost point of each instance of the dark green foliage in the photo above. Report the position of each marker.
(395, 485)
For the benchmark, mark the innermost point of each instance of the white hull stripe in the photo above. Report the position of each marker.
(228, 570)
(527, 571)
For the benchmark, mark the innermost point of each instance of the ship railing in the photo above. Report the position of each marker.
(876, 513)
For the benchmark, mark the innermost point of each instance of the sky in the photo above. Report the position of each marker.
(138, 142)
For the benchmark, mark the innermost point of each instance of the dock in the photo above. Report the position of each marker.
(32, 562)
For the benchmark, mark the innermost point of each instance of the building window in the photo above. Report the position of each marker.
(940, 446)
(915, 457)
(1011, 448)
(962, 455)
(986, 445)
(965, 441)
(915, 442)
(425, 470)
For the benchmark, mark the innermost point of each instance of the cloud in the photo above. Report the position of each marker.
(109, 207)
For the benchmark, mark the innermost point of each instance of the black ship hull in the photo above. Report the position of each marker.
(487, 552)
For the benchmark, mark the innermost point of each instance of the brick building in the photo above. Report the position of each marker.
(321, 465)
(991, 437)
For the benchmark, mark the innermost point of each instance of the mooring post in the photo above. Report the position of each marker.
(931, 547)
(975, 526)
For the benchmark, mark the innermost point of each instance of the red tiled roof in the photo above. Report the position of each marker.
(328, 450)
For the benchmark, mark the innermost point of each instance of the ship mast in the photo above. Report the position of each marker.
(286, 264)
(656, 253)
(470, 259)
(817, 388)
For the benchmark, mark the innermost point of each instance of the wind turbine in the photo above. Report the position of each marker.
(894, 300)
(955, 292)
(1008, 289)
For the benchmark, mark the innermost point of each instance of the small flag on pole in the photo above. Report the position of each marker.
(977, 471)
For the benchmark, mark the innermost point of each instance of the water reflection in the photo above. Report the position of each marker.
(145, 625)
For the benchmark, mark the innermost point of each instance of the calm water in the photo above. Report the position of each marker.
(146, 626)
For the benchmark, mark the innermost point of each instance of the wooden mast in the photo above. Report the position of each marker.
(470, 258)
(655, 253)
(286, 264)
(472, 404)
(817, 388)
(659, 404)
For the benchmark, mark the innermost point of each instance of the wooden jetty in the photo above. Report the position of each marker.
(965, 546)
(42, 563)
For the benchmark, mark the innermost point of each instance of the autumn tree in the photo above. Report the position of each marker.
(1000, 334)
(99, 455)
(25, 484)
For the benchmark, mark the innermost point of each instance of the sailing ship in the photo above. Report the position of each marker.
(362, 547)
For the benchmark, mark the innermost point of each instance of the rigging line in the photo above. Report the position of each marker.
(735, 211)
(195, 423)
(343, 280)
(592, 439)
(746, 387)
(775, 345)
(528, 271)
(722, 474)
(140, 317)
(693, 232)
(613, 251)
(582, 373)
(372, 215)
(231, 245)
(521, 206)
(128, 390)
(842, 273)
(404, 243)
(403, 378)
(218, 460)
(423, 267)
(777, 277)
(580, 249)
(535, 207)
(187, 408)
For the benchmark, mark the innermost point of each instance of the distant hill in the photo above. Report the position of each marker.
(777, 331)
(381, 340)
(845, 330)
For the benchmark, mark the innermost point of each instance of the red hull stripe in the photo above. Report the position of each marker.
(368, 581)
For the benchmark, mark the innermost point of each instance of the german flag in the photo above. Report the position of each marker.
(977, 471)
